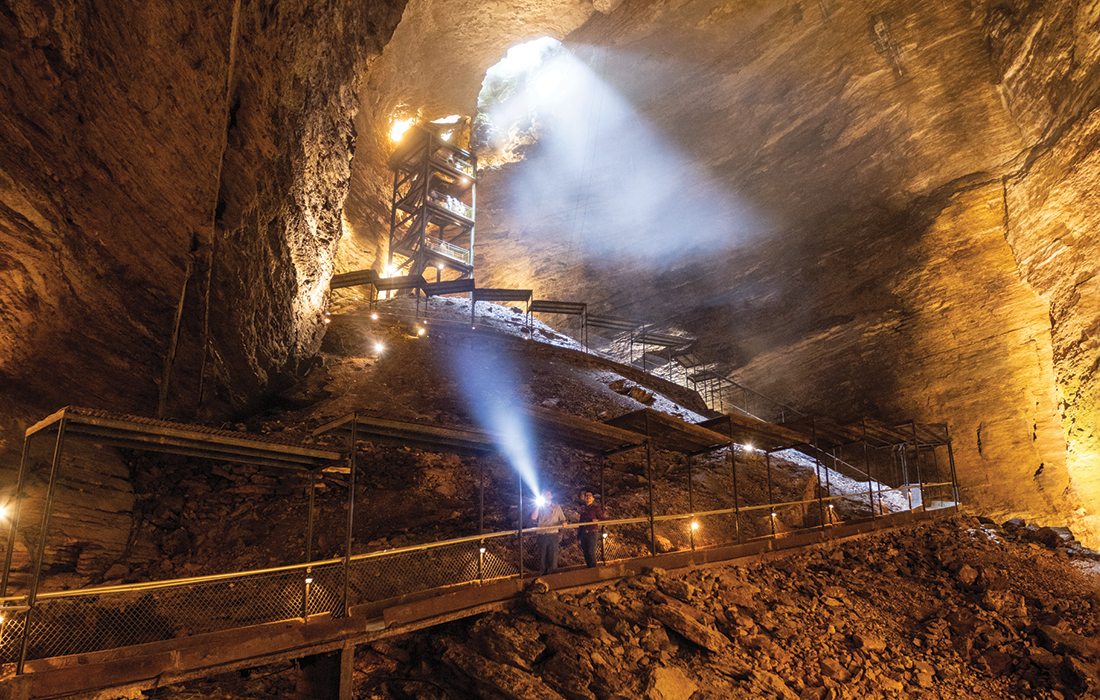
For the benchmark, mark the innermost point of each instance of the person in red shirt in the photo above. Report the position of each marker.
(589, 535)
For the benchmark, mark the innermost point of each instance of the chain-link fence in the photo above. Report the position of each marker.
(70, 622)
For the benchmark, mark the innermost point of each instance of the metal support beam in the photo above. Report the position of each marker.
(519, 529)
(771, 513)
(353, 464)
(13, 524)
(649, 484)
(43, 533)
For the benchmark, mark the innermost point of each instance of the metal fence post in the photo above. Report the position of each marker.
(691, 505)
(47, 506)
(817, 469)
(13, 524)
(353, 463)
(649, 484)
(771, 501)
(309, 545)
(736, 502)
(954, 478)
(519, 529)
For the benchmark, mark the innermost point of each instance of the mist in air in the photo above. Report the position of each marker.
(594, 171)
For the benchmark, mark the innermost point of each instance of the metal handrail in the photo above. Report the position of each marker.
(305, 567)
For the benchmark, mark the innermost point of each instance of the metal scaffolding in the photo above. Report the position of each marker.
(433, 205)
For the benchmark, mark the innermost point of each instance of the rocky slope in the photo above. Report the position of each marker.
(916, 184)
(949, 609)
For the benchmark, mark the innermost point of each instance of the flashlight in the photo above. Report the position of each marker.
(540, 501)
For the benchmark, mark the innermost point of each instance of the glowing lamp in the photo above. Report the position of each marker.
(326, 320)
(439, 266)
(481, 550)
(540, 501)
(694, 525)
(3, 511)
(421, 331)
(605, 535)
(773, 514)
(374, 316)
(309, 580)
(379, 347)
(400, 127)
(748, 446)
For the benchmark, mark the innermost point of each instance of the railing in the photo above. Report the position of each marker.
(447, 248)
(107, 617)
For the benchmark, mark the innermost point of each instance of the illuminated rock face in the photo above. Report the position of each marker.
(137, 133)
(927, 243)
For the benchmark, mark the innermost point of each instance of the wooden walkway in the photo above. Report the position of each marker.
(148, 666)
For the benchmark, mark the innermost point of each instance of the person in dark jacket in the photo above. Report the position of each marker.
(591, 512)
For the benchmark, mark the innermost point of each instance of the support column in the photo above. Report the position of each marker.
(954, 478)
(691, 504)
(519, 528)
(308, 578)
(771, 501)
(43, 533)
(327, 676)
(353, 461)
(13, 524)
(649, 483)
(736, 500)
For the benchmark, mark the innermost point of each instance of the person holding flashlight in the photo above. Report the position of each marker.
(548, 514)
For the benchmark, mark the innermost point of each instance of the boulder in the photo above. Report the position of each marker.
(670, 683)
(684, 625)
(495, 678)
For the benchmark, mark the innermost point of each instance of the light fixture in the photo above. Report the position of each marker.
(421, 331)
(464, 180)
(540, 501)
(309, 580)
(748, 446)
(399, 127)
(694, 525)
(605, 535)
(439, 266)
(481, 550)
(379, 347)
(374, 316)
(326, 320)
(773, 514)
(3, 511)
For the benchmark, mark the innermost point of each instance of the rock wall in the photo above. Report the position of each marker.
(170, 162)
(924, 237)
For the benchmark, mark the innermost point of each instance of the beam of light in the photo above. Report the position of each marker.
(594, 167)
(489, 382)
